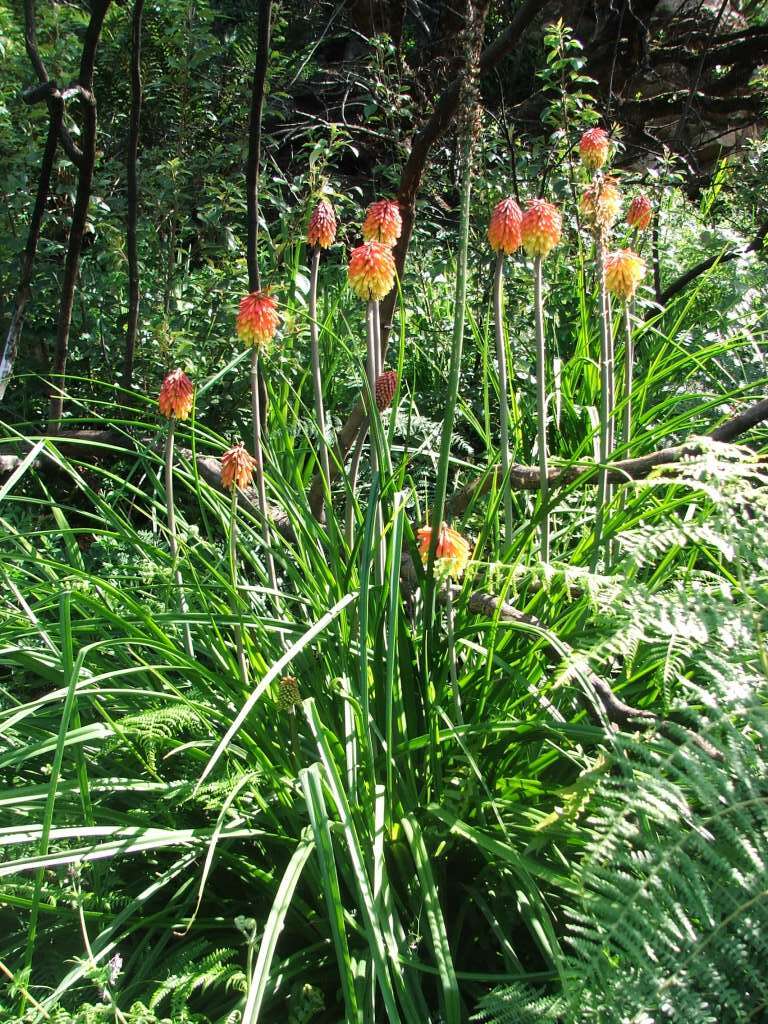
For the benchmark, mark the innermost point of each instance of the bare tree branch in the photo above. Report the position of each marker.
(23, 293)
(30, 41)
(706, 264)
(526, 478)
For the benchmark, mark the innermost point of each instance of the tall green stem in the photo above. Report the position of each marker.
(454, 373)
(432, 698)
(372, 319)
(501, 357)
(242, 663)
(629, 368)
(606, 393)
(172, 541)
(541, 403)
(354, 470)
(317, 380)
(259, 456)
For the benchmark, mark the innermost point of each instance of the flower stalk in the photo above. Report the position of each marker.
(241, 659)
(372, 316)
(237, 468)
(172, 538)
(501, 357)
(541, 404)
(317, 380)
(629, 364)
(259, 456)
(175, 402)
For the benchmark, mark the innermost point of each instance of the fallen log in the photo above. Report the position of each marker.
(526, 478)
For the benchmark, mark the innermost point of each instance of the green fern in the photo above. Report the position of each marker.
(669, 912)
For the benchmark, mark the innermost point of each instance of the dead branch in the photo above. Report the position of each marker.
(526, 478)
(706, 264)
(30, 41)
(24, 291)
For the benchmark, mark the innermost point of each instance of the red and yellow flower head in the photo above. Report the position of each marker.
(540, 227)
(322, 226)
(371, 270)
(384, 391)
(176, 392)
(640, 213)
(451, 553)
(600, 203)
(624, 270)
(504, 226)
(237, 466)
(257, 319)
(383, 222)
(594, 148)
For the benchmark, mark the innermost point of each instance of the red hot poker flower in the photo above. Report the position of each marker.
(541, 227)
(386, 386)
(383, 222)
(322, 225)
(175, 399)
(600, 203)
(624, 270)
(237, 466)
(257, 319)
(640, 213)
(504, 226)
(594, 148)
(451, 553)
(371, 270)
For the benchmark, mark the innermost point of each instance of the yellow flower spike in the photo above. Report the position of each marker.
(594, 148)
(600, 203)
(371, 271)
(541, 227)
(624, 270)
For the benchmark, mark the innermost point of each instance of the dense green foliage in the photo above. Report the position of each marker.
(447, 825)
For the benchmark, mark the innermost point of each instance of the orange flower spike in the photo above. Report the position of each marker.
(176, 393)
(451, 553)
(237, 466)
(624, 270)
(504, 226)
(640, 213)
(383, 222)
(257, 319)
(540, 227)
(371, 270)
(600, 203)
(594, 148)
(322, 226)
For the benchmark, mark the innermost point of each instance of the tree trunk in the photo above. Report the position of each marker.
(134, 288)
(80, 212)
